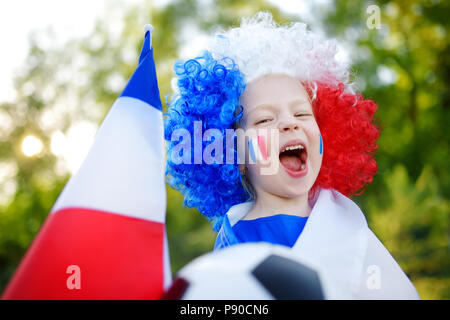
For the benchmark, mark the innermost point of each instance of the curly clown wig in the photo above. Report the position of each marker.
(207, 89)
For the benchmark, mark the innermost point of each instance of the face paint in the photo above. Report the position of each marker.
(262, 146)
(258, 149)
(321, 144)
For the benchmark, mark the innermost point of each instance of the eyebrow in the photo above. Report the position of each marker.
(263, 106)
(298, 102)
(259, 107)
(270, 106)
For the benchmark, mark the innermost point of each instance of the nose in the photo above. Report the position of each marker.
(288, 125)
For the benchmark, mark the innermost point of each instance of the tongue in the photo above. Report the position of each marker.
(291, 162)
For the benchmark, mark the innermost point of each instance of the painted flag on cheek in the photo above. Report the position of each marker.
(105, 236)
(257, 149)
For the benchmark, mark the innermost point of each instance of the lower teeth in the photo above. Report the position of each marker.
(303, 166)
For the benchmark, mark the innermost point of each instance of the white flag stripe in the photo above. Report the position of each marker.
(167, 267)
(127, 161)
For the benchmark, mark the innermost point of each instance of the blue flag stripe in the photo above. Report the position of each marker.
(143, 84)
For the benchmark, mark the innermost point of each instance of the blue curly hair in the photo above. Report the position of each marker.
(208, 91)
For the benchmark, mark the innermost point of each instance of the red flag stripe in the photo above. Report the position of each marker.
(119, 257)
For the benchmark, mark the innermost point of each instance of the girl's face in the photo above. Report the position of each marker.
(280, 102)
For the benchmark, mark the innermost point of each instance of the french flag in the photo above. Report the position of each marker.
(257, 149)
(105, 236)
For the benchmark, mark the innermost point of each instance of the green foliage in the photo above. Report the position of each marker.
(413, 225)
(407, 204)
(404, 67)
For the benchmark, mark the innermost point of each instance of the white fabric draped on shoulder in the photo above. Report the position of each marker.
(352, 261)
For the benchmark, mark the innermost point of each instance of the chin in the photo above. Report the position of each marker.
(292, 191)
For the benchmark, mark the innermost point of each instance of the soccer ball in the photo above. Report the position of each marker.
(249, 271)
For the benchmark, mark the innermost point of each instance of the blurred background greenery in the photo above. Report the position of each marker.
(404, 66)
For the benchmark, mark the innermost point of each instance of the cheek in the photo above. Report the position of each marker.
(263, 146)
(316, 145)
(258, 148)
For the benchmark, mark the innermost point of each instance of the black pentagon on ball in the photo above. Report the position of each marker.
(286, 279)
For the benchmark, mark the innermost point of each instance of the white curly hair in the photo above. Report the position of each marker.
(260, 46)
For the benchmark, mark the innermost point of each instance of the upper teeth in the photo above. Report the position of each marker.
(299, 146)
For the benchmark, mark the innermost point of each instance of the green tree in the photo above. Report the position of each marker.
(404, 67)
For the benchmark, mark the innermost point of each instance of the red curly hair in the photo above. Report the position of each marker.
(349, 134)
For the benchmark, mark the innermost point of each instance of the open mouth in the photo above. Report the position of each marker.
(294, 157)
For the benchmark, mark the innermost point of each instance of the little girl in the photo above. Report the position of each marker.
(284, 80)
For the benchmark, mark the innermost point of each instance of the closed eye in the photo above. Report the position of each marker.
(262, 121)
(303, 114)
